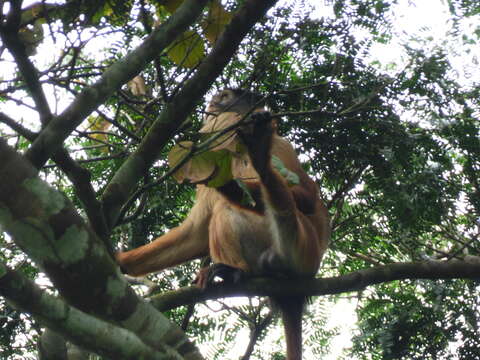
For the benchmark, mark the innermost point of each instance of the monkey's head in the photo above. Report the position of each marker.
(234, 100)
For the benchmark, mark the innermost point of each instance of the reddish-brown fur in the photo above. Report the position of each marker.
(287, 230)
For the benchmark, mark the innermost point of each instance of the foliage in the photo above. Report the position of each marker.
(395, 148)
(419, 320)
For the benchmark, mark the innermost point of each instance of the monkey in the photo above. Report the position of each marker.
(285, 232)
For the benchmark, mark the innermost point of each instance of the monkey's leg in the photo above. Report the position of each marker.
(185, 242)
(237, 236)
(180, 244)
(295, 248)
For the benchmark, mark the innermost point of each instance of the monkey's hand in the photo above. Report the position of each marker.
(228, 274)
(257, 137)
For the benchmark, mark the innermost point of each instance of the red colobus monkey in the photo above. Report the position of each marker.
(284, 231)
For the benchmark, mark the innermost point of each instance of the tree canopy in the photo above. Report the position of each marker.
(93, 97)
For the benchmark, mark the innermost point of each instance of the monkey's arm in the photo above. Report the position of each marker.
(305, 192)
(185, 242)
(295, 248)
(260, 143)
(305, 200)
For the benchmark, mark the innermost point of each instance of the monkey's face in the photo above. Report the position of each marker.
(225, 100)
(232, 101)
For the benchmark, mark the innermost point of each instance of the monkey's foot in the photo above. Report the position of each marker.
(271, 265)
(228, 274)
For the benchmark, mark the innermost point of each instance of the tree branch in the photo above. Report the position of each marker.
(45, 225)
(59, 128)
(182, 104)
(17, 127)
(79, 176)
(89, 332)
(355, 281)
(9, 35)
(255, 334)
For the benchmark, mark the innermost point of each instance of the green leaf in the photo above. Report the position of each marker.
(216, 21)
(247, 198)
(171, 5)
(223, 168)
(211, 167)
(188, 50)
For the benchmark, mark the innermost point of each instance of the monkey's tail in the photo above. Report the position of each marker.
(291, 309)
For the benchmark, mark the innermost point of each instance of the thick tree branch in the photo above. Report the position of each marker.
(51, 346)
(59, 128)
(79, 176)
(181, 106)
(89, 332)
(355, 281)
(46, 226)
